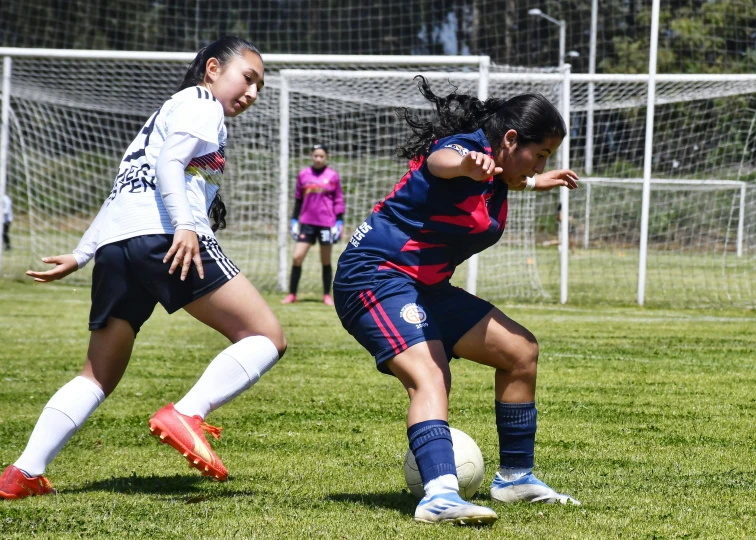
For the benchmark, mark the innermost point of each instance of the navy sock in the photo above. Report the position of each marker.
(431, 444)
(516, 424)
(296, 273)
(327, 278)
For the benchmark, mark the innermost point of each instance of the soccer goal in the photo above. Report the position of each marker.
(69, 115)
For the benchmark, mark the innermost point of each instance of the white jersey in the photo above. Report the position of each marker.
(135, 207)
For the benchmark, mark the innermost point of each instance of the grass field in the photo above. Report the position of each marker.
(647, 416)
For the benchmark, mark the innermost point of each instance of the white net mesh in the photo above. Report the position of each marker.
(68, 132)
(696, 36)
(696, 256)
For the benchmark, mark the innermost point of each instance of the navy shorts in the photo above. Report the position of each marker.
(130, 278)
(314, 233)
(395, 314)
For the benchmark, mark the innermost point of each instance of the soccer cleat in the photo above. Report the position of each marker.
(185, 434)
(528, 488)
(14, 484)
(327, 300)
(290, 299)
(450, 508)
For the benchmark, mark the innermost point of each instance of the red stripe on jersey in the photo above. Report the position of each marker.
(378, 305)
(429, 274)
(414, 165)
(378, 322)
(502, 217)
(214, 161)
(413, 245)
(477, 218)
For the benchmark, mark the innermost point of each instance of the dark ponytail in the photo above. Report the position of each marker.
(532, 116)
(217, 213)
(223, 50)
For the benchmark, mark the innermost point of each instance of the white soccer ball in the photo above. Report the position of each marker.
(468, 459)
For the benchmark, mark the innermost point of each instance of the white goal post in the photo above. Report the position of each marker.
(68, 115)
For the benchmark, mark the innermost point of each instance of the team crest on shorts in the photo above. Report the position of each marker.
(414, 314)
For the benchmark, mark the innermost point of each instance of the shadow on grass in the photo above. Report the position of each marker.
(401, 501)
(160, 485)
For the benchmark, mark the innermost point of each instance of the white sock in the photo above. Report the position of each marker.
(231, 372)
(446, 483)
(63, 415)
(510, 474)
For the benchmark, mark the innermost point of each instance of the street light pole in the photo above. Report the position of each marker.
(591, 92)
(562, 32)
(562, 53)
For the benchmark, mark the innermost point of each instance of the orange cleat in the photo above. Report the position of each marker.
(290, 299)
(327, 300)
(14, 484)
(185, 434)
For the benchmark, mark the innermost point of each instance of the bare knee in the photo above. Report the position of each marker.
(436, 382)
(526, 359)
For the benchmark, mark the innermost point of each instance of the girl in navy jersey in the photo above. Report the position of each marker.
(392, 289)
(153, 242)
(318, 216)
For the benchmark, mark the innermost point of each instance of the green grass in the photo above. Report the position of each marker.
(647, 416)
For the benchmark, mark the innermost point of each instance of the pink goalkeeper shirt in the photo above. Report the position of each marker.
(321, 197)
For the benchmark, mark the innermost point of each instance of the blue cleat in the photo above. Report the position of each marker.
(528, 488)
(449, 507)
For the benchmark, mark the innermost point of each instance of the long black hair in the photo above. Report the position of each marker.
(223, 49)
(532, 116)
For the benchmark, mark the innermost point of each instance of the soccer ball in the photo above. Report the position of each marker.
(468, 459)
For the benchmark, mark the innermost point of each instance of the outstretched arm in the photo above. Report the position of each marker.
(84, 252)
(548, 181)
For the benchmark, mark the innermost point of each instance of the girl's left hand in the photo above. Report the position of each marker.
(556, 178)
(185, 250)
(64, 265)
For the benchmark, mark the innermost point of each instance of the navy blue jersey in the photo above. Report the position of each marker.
(427, 225)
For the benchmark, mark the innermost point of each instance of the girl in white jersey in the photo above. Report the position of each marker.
(153, 242)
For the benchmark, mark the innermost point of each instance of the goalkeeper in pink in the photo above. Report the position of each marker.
(318, 217)
(153, 242)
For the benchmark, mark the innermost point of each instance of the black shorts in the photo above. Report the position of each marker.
(314, 233)
(130, 278)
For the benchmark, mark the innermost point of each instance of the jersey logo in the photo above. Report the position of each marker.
(414, 314)
(461, 150)
(199, 448)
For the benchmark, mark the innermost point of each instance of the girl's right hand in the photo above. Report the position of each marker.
(186, 249)
(64, 265)
(478, 166)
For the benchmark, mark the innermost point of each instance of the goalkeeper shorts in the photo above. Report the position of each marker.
(314, 233)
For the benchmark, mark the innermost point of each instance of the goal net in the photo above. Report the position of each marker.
(701, 243)
(72, 118)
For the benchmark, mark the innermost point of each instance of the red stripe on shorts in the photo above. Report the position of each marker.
(391, 326)
(388, 336)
